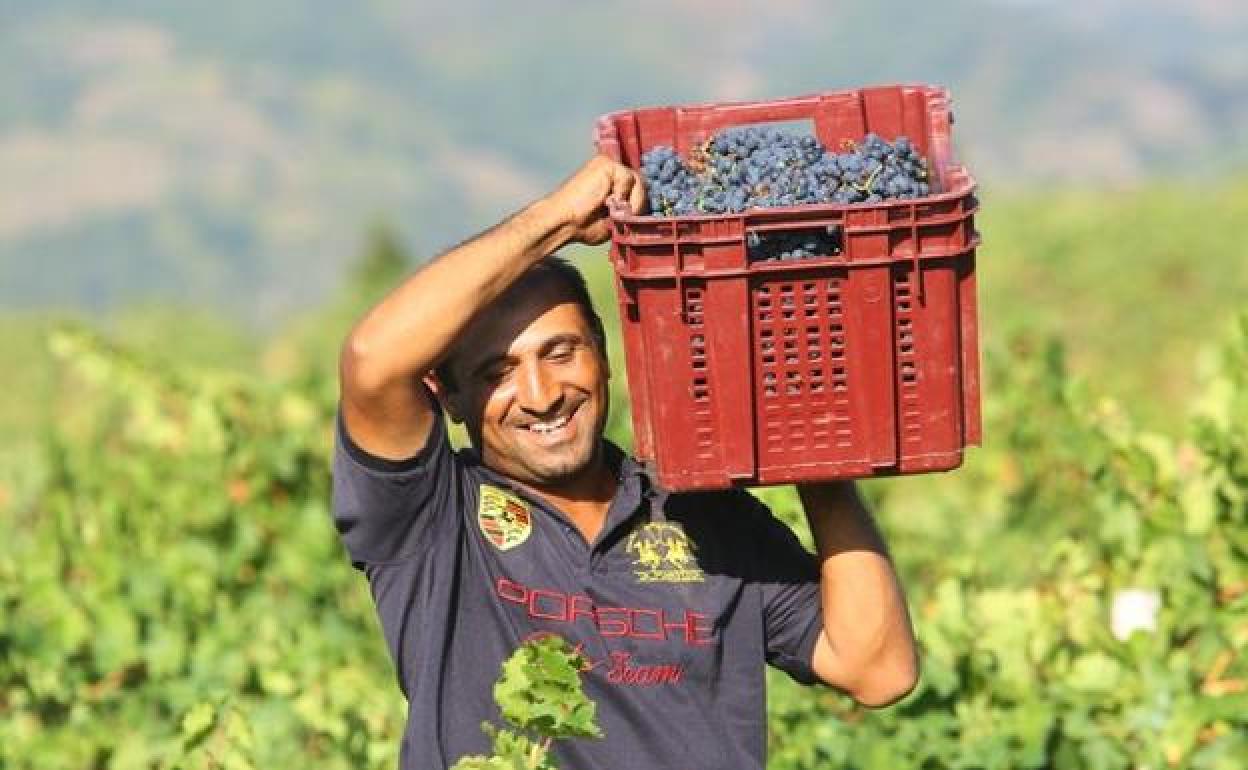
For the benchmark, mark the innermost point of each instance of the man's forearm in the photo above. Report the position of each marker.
(411, 329)
(870, 649)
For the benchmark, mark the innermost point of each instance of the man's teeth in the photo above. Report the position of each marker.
(547, 427)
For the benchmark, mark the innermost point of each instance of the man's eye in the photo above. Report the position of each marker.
(562, 353)
(495, 375)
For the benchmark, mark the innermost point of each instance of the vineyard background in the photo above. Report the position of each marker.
(172, 594)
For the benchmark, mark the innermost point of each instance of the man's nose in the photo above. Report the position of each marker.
(538, 392)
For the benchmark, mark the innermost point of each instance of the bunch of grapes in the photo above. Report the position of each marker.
(764, 167)
(793, 244)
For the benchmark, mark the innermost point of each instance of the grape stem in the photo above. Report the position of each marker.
(866, 188)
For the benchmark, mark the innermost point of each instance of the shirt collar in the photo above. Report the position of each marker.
(634, 488)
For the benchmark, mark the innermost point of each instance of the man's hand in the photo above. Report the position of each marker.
(581, 201)
(405, 335)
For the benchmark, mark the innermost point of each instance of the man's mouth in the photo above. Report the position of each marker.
(554, 427)
(544, 428)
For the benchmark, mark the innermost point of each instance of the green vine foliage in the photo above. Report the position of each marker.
(539, 694)
(173, 595)
(1014, 572)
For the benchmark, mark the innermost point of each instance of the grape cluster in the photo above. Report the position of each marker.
(764, 167)
(794, 244)
(760, 167)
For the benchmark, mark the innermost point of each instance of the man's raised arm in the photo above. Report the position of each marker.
(384, 408)
(867, 647)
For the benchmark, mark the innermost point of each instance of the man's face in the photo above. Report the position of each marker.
(531, 387)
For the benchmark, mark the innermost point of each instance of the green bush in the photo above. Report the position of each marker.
(172, 593)
(1013, 579)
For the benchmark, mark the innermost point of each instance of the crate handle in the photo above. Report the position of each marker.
(797, 108)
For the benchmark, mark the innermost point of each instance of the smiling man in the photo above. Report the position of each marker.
(676, 600)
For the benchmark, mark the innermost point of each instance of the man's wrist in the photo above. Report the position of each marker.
(548, 226)
(839, 518)
(830, 496)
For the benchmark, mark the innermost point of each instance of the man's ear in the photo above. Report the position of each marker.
(606, 363)
(446, 397)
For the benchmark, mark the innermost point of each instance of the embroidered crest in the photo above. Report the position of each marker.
(504, 519)
(662, 553)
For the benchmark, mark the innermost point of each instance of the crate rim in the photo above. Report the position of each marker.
(605, 120)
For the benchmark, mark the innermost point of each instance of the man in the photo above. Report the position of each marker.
(675, 599)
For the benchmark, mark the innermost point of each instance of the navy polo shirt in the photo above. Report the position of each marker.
(676, 605)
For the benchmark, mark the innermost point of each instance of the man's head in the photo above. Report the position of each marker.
(528, 378)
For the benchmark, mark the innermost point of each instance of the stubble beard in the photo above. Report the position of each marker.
(564, 466)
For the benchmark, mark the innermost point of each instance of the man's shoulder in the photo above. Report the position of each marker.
(710, 500)
(725, 511)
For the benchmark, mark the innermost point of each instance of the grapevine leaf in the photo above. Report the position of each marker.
(540, 691)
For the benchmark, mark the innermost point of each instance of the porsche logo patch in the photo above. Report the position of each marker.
(504, 519)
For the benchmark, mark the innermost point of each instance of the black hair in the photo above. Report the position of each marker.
(568, 278)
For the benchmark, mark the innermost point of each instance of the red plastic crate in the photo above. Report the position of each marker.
(847, 366)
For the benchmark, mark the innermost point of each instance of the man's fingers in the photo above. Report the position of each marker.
(637, 197)
(622, 182)
(626, 186)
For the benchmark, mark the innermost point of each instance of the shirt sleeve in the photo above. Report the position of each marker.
(388, 510)
(787, 575)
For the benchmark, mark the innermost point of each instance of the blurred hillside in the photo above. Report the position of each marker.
(227, 155)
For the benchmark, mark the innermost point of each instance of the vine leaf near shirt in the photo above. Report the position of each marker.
(539, 692)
